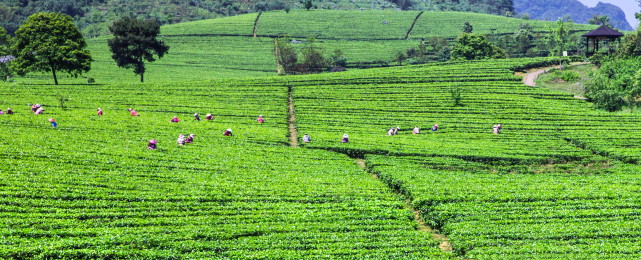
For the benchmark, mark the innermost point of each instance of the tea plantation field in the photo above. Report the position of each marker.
(90, 188)
(561, 181)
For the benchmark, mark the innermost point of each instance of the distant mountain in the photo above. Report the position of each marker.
(552, 10)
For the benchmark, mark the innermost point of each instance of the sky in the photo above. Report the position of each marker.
(629, 7)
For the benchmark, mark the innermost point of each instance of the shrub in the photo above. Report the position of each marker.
(455, 92)
(471, 46)
(570, 76)
(610, 100)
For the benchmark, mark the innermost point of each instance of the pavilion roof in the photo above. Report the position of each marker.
(604, 31)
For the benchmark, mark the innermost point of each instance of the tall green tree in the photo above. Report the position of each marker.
(600, 20)
(5, 58)
(313, 59)
(135, 43)
(505, 6)
(50, 42)
(524, 38)
(4, 42)
(561, 35)
(631, 46)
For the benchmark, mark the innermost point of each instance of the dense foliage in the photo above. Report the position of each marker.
(5, 57)
(471, 46)
(630, 46)
(616, 84)
(50, 42)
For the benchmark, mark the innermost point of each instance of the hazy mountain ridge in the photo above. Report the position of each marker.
(579, 13)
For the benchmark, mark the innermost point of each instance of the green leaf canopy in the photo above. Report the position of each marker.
(50, 42)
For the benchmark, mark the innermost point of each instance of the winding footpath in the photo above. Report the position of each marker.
(532, 75)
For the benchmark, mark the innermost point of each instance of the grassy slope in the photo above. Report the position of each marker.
(223, 48)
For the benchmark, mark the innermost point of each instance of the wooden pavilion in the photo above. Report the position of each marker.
(602, 33)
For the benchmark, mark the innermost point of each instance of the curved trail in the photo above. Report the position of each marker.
(421, 226)
(532, 75)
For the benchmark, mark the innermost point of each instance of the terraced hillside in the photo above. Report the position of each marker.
(560, 181)
(225, 48)
(356, 25)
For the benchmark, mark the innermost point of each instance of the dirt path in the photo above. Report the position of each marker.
(531, 75)
(421, 226)
(293, 132)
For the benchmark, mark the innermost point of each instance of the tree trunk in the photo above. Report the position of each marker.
(55, 78)
(141, 69)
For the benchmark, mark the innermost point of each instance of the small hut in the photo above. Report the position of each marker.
(602, 33)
